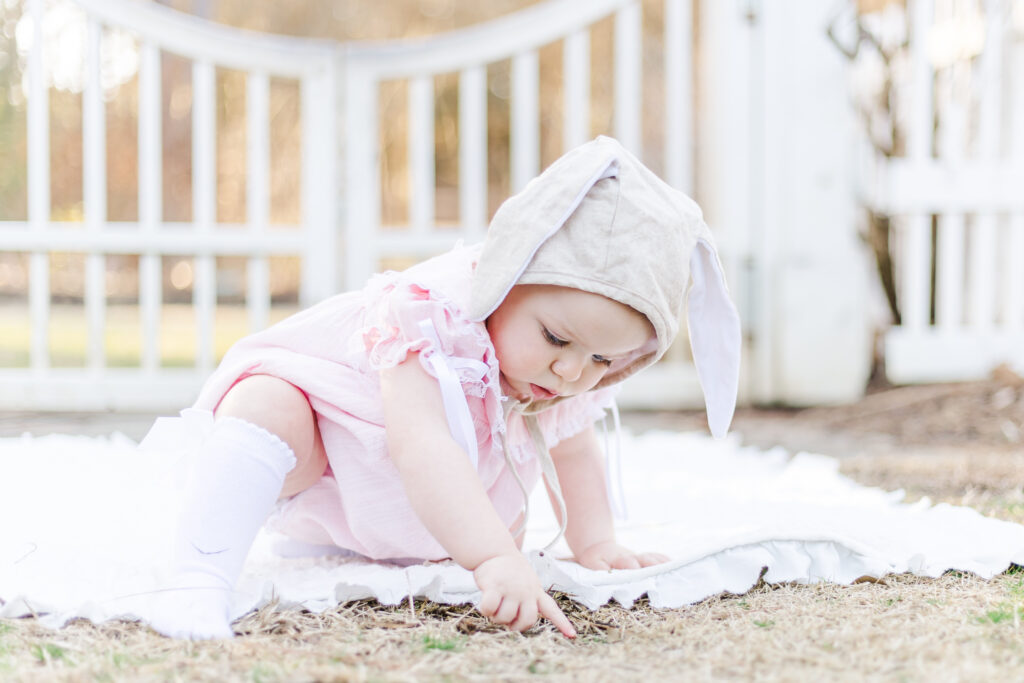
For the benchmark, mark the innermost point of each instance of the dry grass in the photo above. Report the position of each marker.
(953, 628)
(905, 628)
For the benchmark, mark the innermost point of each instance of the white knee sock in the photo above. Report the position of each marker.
(233, 485)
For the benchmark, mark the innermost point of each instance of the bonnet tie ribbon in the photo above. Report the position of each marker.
(613, 466)
(547, 466)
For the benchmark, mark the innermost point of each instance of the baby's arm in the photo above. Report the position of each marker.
(590, 532)
(449, 499)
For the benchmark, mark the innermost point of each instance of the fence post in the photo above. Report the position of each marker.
(775, 174)
(819, 311)
(320, 183)
(361, 166)
(723, 163)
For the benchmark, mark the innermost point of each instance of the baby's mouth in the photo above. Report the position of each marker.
(541, 393)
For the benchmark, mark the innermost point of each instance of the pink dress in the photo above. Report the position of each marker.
(334, 352)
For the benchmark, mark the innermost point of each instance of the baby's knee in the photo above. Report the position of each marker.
(275, 405)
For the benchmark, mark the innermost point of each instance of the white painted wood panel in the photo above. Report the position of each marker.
(679, 94)
(1013, 299)
(362, 177)
(628, 77)
(951, 238)
(473, 151)
(94, 192)
(38, 190)
(150, 204)
(525, 134)
(981, 313)
(421, 153)
(257, 194)
(576, 67)
(204, 206)
(319, 101)
(915, 249)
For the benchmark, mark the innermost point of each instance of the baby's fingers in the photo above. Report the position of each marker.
(626, 562)
(649, 559)
(527, 617)
(508, 611)
(490, 601)
(549, 609)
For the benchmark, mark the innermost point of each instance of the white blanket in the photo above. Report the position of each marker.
(85, 522)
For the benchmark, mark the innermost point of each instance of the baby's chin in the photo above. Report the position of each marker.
(508, 389)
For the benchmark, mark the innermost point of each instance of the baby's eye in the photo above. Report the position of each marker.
(552, 339)
(602, 360)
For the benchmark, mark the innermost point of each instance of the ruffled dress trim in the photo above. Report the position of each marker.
(398, 304)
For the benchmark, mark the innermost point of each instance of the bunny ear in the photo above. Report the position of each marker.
(715, 337)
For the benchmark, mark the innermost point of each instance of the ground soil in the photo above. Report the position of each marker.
(957, 443)
(940, 440)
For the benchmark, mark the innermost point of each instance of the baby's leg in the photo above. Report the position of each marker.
(283, 410)
(264, 444)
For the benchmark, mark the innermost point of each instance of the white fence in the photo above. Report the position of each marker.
(518, 38)
(785, 260)
(157, 29)
(956, 195)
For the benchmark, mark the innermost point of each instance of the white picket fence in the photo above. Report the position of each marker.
(341, 177)
(957, 196)
(519, 39)
(97, 386)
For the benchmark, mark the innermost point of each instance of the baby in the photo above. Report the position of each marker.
(409, 420)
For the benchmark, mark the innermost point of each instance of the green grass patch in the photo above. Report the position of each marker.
(45, 652)
(996, 616)
(764, 623)
(1016, 591)
(538, 668)
(446, 644)
(262, 673)
(124, 660)
(1008, 610)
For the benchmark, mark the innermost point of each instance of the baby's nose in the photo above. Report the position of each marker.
(569, 368)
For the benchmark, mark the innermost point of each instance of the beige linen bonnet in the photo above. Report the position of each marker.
(598, 220)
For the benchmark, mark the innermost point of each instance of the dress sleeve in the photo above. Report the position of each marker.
(394, 328)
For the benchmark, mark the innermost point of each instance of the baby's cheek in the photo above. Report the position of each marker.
(601, 371)
(588, 381)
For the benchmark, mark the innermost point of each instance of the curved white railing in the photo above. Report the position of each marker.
(518, 38)
(204, 41)
(341, 178)
(522, 31)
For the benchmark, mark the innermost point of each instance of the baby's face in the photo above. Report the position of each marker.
(556, 341)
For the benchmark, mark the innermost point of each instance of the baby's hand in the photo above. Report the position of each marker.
(611, 555)
(511, 594)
